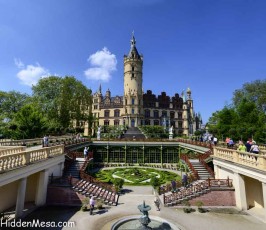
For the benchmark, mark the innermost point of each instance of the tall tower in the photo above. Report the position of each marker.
(133, 95)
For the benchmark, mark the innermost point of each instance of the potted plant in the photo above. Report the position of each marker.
(199, 205)
(187, 208)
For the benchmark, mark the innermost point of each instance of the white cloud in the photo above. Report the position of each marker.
(103, 63)
(19, 63)
(30, 74)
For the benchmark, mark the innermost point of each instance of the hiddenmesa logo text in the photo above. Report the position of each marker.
(36, 224)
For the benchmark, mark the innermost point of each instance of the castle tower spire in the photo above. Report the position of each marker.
(133, 94)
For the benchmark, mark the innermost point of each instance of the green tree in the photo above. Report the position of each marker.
(254, 92)
(246, 117)
(30, 122)
(65, 101)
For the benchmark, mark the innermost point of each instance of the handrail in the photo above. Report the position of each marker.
(198, 187)
(186, 159)
(19, 159)
(202, 159)
(252, 160)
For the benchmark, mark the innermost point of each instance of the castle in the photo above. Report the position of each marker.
(136, 108)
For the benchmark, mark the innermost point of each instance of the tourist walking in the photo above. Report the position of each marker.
(184, 180)
(92, 204)
(85, 152)
(248, 146)
(254, 148)
(45, 141)
(241, 147)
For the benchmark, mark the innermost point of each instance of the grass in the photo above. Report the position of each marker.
(136, 176)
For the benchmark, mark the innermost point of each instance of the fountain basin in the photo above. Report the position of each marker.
(132, 222)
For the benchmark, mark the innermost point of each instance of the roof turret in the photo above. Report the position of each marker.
(133, 53)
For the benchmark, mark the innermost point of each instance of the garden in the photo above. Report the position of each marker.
(136, 176)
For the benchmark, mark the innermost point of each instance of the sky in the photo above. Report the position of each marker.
(212, 47)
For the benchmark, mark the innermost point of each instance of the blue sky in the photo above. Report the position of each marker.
(212, 47)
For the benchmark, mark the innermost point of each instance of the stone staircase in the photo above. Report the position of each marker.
(74, 168)
(202, 171)
(133, 133)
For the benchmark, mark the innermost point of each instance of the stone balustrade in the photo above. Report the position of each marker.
(5, 151)
(12, 161)
(256, 161)
(36, 141)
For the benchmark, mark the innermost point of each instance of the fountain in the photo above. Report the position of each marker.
(144, 222)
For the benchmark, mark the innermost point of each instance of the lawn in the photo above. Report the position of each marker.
(136, 176)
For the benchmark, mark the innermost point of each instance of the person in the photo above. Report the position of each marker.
(157, 203)
(45, 141)
(231, 143)
(254, 148)
(92, 203)
(241, 147)
(184, 180)
(248, 146)
(85, 152)
(215, 140)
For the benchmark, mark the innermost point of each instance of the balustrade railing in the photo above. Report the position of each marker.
(194, 172)
(5, 151)
(23, 158)
(39, 141)
(256, 161)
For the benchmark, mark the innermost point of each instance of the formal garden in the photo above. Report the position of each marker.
(137, 176)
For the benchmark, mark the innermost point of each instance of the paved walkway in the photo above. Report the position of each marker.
(103, 220)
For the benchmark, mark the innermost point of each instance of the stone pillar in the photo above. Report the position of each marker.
(216, 171)
(61, 167)
(41, 191)
(264, 199)
(21, 197)
(240, 191)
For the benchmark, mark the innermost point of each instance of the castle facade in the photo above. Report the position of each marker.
(136, 108)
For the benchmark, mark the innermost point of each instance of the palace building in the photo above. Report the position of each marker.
(136, 108)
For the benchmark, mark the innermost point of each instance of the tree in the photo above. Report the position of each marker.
(30, 122)
(246, 117)
(154, 182)
(65, 100)
(254, 92)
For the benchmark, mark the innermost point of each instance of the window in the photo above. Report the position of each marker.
(125, 101)
(156, 114)
(106, 123)
(180, 124)
(132, 68)
(156, 122)
(116, 122)
(95, 106)
(147, 122)
(132, 75)
(172, 115)
(164, 114)
(106, 113)
(147, 113)
(133, 111)
(133, 101)
(179, 115)
(95, 100)
(117, 113)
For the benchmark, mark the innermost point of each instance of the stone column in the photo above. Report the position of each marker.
(41, 191)
(264, 198)
(240, 191)
(21, 197)
(216, 171)
(61, 167)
